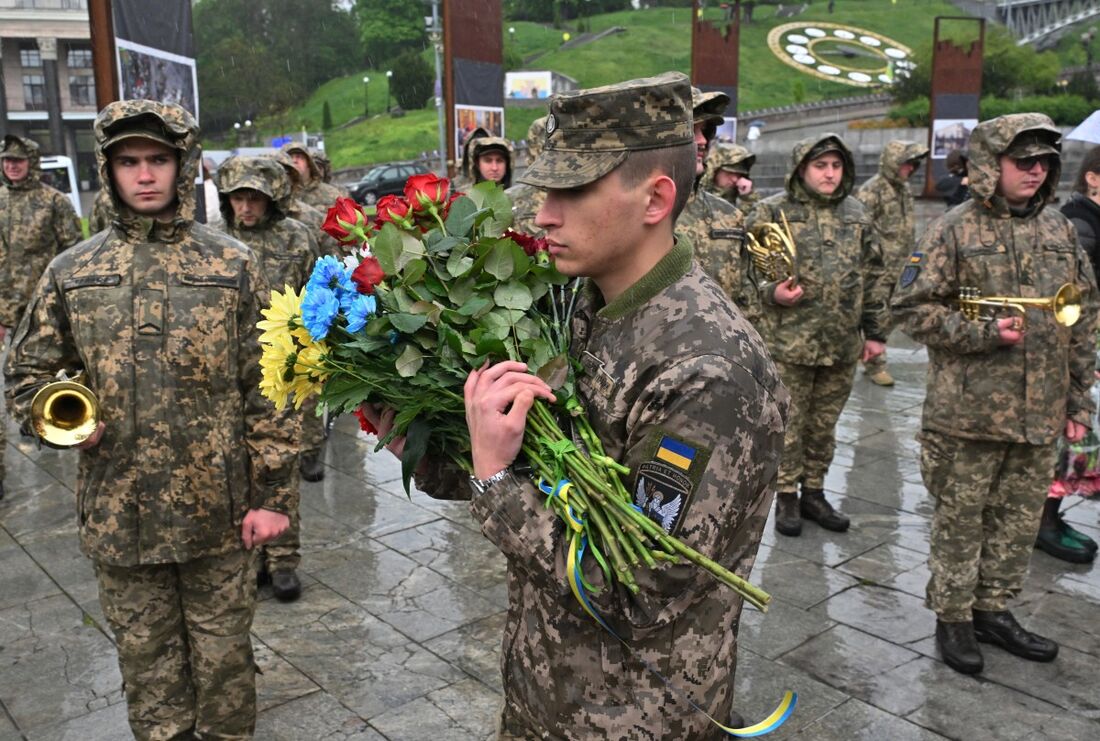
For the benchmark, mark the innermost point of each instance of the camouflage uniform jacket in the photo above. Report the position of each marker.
(316, 193)
(839, 267)
(734, 157)
(36, 223)
(284, 246)
(162, 318)
(978, 389)
(103, 209)
(717, 231)
(890, 205)
(670, 362)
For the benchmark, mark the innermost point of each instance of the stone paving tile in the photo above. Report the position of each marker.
(883, 563)
(760, 684)
(474, 648)
(799, 581)
(881, 612)
(278, 681)
(462, 711)
(858, 721)
(367, 509)
(1070, 621)
(23, 580)
(316, 716)
(45, 507)
(8, 731)
(782, 628)
(106, 724)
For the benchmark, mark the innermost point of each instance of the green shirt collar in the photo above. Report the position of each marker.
(667, 271)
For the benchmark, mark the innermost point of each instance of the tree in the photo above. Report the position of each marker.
(389, 27)
(413, 80)
(326, 117)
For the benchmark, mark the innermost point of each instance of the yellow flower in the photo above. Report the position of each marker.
(277, 366)
(284, 316)
(308, 380)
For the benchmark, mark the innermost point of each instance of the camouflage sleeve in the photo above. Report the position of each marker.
(66, 223)
(41, 346)
(876, 289)
(441, 479)
(921, 300)
(270, 436)
(716, 502)
(1082, 347)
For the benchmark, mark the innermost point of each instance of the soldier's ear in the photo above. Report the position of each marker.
(660, 198)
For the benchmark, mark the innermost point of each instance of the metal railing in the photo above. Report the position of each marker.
(44, 5)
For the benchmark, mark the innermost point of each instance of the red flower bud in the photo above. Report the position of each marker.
(368, 275)
(392, 208)
(531, 245)
(423, 191)
(346, 222)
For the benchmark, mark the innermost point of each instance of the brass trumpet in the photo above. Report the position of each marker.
(64, 413)
(1065, 304)
(773, 252)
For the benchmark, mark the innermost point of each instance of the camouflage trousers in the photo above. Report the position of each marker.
(182, 632)
(818, 395)
(285, 553)
(989, 496)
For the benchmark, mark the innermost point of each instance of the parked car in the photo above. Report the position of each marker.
(58, 172)
(385, 180)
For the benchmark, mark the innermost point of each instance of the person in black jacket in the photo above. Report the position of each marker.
(1083, 207)
(955, 185)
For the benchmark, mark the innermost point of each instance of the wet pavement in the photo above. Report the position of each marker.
(397, 633)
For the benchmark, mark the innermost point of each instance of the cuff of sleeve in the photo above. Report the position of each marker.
(767, 293)
(281, 499)
(1080, 416)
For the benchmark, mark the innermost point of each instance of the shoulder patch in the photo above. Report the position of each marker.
(911, 270)
(667, 480)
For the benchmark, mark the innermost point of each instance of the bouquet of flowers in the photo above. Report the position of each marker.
(437, 285)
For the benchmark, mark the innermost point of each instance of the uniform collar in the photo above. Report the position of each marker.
(671, 268)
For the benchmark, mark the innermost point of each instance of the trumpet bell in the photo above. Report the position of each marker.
(1067, 305)
(64, 413)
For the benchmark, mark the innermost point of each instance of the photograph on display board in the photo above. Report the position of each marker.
(528, 85)
(949, 134)
(153, 74)
(727, 132)
(470, 117)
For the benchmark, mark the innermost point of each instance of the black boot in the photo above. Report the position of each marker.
(959, 647)
(286, 585)
(263, 576)
(1060, 540)
(1001, 629)
(815, 507)
(311, 466)
(787, 519)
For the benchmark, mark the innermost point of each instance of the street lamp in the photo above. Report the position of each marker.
(389, 79)
(366, 96)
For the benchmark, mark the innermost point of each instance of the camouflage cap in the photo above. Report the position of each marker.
(142, 126)
(708, 108)
(1032, 143)
(590, 132)
(17, 148)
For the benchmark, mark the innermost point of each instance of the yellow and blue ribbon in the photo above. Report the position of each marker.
(578, 542)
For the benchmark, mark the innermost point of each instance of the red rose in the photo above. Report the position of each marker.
(423, 191)
(447, 208)
(346, 222)
(364, 423)
(392, 208)
(368, 275)
(531, 245)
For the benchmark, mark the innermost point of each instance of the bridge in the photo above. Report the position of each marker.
(1039, 21)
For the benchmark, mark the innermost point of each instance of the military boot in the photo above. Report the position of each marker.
(263, 576)
(815, 507)
(959, 647)
(286, 585)
(1000, 628)
(311, 465)
(1057, 538)
(787, 519)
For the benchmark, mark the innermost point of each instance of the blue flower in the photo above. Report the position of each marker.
(362, 308)
(394, 336)
(331, 274)
(319, 308)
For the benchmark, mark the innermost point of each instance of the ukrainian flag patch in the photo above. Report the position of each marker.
(676, 453)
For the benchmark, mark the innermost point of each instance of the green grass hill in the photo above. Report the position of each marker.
(655, 40)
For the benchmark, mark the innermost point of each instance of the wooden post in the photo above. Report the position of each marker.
(956, 89)
(104, 64)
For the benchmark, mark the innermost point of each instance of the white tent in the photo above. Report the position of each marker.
(1088, 131)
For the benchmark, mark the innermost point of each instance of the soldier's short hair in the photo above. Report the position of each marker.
(676, 162)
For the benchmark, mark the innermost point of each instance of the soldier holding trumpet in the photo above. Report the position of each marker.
(1000, 391)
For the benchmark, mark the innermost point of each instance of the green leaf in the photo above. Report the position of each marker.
(428, 309)
(497, 323)
(513, 295)
(461, 291)
(414, 271)
(499, 262)
(520, 261)
(409, 361)
(460, 219)
(459, 263)
(475, 305)
(403, 299)
(416, 446)
(368, 345)
(491, 346)
(527, 328)
(555, 372)
(411, 248)
(443, 245)
(387, 248)
(408, 323)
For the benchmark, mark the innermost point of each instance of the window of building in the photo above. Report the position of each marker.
(29, 55)
(82, 90)
(34, 92)
(79, 57)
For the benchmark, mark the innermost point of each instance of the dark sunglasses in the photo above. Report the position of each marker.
(1027, 164)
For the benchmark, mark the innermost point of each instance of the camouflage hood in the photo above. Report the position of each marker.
(175, 125)
(486, 143)
(895, 154)
(22, 147)
(812, 148)
(730, 157)
(262, 174)
(466, 169)
(291, 148)
(990, 140)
